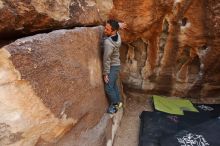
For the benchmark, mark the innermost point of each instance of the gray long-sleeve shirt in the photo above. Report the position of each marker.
(111, 54)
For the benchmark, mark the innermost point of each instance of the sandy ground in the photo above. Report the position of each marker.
(128, 131)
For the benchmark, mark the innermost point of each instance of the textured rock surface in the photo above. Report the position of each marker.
(172, 46)
(104, 8)
(54, 80)
(22, 17)
(51, 84)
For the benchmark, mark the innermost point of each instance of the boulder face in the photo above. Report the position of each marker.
(171, 47)
(104, 8)
(51, 84)
(23, 17)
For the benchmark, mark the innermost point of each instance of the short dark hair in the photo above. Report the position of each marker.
(114, 24)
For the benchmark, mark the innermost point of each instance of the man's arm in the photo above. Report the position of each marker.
(108, 49)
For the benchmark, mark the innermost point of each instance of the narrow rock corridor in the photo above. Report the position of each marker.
(128, 131)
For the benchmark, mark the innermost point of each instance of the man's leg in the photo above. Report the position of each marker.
(110, 86)
(117, 92)
(119, 104)
(112, 94)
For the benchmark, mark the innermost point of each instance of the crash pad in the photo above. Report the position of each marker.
(205, 134)
(173, 106)
(156, 126)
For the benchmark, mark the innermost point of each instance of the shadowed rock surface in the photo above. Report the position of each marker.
(51, 84)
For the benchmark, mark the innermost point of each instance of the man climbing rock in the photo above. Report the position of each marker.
(111, 63)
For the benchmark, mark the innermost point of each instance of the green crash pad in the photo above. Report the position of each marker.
(173, 106)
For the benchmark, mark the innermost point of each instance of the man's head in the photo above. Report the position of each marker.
(111, 27)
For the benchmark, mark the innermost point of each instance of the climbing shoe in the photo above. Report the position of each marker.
(118, 105)
(112, 109)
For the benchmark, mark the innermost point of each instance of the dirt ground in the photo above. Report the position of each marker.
(128, 131)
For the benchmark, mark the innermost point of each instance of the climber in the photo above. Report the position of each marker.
(111, 63)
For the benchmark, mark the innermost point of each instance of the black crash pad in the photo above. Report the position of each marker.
(205, 134)
(157, 125)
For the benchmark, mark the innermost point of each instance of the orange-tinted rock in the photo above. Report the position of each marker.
(181, 40)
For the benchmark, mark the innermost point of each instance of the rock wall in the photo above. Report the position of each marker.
(50, 85)
(171, 46)
(25, 17)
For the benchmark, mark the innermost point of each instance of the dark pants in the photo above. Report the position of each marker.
(111, 88)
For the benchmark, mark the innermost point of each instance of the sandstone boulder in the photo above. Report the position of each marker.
(171, 46)
(24, 17)
(51, 85)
